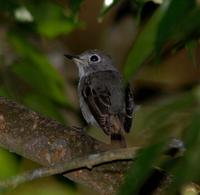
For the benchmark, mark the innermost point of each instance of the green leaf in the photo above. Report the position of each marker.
(192, 51)
(189, 28)
(169, 110)
(144, 44)
(174, 16)
(43, 105)
(188, 169)
(8, 164)
(140, 169)
(175, 22)
(36, 70)
(4, 92)
(75, 5)
(8, 5)
(51, 19)
(39, 81)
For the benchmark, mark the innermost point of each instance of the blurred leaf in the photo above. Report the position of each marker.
(107, 5)
(175, 22)
(36, 70)
(43, 105)
(4, 92)
(163, 113)
(8, 5)
(23, 15)
(45, 186)
(144, 44)
(188, 169)
(39, 81)
(155, 1)
(140, 169)
(75, 5)
(189, 28)
(174, 17)
(51, 19)
(8, 164)
(196, 92)
(192, 51)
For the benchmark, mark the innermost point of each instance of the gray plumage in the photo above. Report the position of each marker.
(105, 101)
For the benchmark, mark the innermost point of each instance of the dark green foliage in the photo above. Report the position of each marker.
(174, 24)
(8, 6)
(144, 45)
(163, 121)
(75, 5)
(141, 168)
(35, 69)
(188, 169)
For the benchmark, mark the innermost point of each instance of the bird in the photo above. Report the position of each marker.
(106, 100)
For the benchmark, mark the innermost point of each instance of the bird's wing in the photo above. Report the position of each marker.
(97, 97)
(129, 108)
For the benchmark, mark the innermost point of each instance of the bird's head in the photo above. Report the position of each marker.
(92, 61)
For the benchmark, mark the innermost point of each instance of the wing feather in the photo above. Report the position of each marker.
(99, 104)
(129, 108)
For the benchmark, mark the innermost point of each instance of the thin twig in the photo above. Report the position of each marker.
(78, 163)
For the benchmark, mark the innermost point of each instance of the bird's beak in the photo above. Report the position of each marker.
(71, 57)
(75, 58)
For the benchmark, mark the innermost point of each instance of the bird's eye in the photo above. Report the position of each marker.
(94, 58)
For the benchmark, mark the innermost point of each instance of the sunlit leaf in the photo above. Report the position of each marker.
(46, 186)
(107, 5)
(23, 15)
(8, 164)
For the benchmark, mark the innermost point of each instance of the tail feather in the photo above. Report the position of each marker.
(128, 123)
(118, 140)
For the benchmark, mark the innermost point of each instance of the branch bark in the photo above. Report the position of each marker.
(47, 142)
(51, 144)
(82, 162)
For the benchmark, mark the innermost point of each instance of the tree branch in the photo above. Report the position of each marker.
(82, 162)
(47, 142)
(51, 144)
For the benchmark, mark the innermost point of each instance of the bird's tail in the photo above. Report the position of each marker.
(118, 140)
(116, 133)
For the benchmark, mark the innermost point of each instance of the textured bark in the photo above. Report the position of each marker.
(47, 142)
(88, 161)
